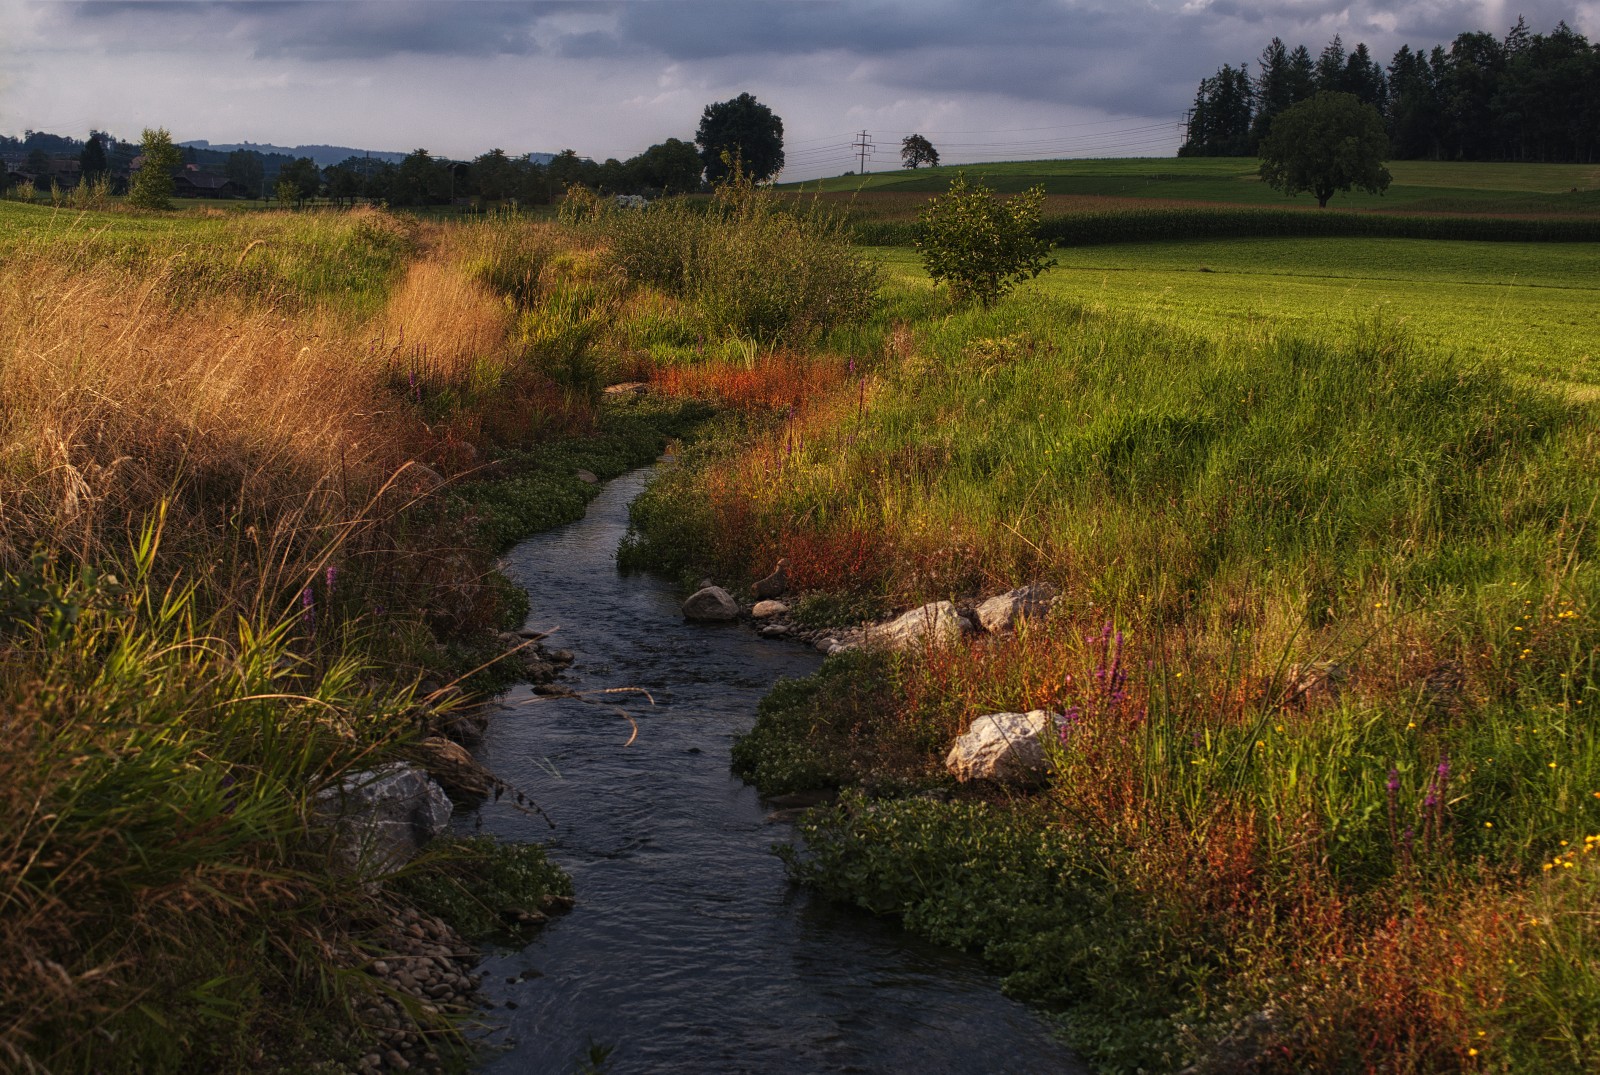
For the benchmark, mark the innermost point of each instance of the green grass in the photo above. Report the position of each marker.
(1313, 450)
(339, 261)
(1418, 186)
(1528, 306)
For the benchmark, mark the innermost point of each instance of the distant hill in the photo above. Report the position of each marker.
(323, 155)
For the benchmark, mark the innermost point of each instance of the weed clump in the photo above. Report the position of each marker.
(755, 265)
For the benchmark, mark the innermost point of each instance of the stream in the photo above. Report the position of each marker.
(689, 950)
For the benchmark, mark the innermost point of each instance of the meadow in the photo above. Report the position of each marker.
(1321, 510)
(1417, 187)
(1526, 307)
(1328, 786)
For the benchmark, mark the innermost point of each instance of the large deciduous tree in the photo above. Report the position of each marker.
(152, 186)
(1330, 143)
(916, 151)
(742, 129)
(670, 167)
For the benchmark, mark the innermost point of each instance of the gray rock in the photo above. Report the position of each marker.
(767, 609)
(378, 819)
(1004, 747)
(936, 623)
(587, 477)
(825, 645)
(712, 603)
(774, 630)
(1002, 612)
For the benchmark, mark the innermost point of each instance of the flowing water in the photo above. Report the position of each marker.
(689, 950)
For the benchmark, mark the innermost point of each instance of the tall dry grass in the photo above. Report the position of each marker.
(214, 527)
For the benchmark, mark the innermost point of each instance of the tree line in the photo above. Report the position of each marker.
(1524, 97)
(741, 130)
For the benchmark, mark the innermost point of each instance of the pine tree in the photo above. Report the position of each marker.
(92, 161)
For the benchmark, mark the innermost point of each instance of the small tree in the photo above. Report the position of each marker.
(916, 151)
(1329, 143)
(152, 186)
(979, 246)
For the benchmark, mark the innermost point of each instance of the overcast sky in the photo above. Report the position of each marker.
(983, 79)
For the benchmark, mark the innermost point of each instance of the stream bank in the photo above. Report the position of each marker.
(689, 949)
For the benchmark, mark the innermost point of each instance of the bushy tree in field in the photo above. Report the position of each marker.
(152, 186)
(303, 177)
(245, 167)
(979, 246)
(1330, 143)
(916, 151)
(744, 130)
(670, 167)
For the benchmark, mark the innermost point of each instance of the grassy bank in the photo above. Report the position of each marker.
(254, 471)
(1326, 643)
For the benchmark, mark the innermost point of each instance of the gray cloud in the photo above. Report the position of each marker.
(602, 74)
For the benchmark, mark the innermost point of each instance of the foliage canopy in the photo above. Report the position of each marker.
(1329, 143)
(152, 186)
(743, 129)
(916, 151)
(980, 246)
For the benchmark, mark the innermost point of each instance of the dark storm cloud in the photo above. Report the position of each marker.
(1141, 57)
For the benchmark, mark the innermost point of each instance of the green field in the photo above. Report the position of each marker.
(1530, 306)
(1418, 186)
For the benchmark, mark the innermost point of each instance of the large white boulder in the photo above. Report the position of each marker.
(1005, 747)
(711, 603)
(378, 819)
(937, 622)
(1001, 613)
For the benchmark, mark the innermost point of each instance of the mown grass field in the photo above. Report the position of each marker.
(1529, 307)
(1417, 187)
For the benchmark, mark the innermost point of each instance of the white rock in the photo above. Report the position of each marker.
(825, 645)
(380, 818)
(1003, 746)
(1001, 613)
(767, 609)
(711, 603)
(935, 623)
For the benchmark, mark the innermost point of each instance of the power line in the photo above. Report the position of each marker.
(864, 146)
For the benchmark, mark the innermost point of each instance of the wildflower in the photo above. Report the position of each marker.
(329, 576)
(308, 611)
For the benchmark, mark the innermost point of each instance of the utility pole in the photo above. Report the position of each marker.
(863, 145)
